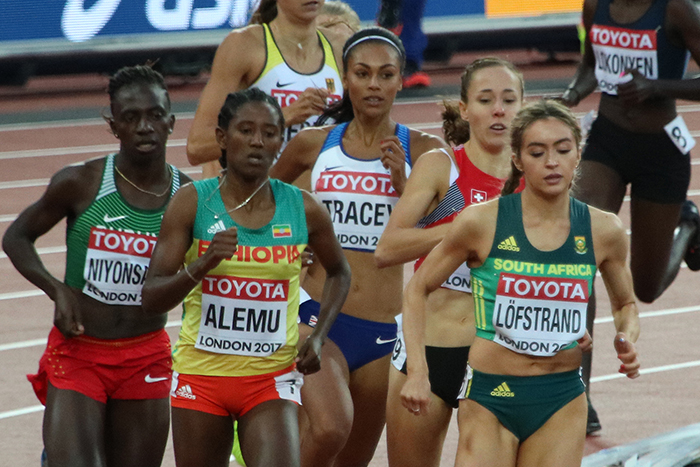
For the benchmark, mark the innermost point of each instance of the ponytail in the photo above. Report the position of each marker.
(338, 112)
(266, 12)
(513, 180)
(454, 127)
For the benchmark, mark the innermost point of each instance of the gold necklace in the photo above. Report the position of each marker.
(244, 203)
(157, 195)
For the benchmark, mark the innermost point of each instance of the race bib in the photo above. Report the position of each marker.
(618, 50)
(678, 131)
(460, 280)
(539, 315)
(359, 203)
(116, 264)
(243, 316)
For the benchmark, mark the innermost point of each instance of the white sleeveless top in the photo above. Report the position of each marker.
(357, 192)
(283, 83)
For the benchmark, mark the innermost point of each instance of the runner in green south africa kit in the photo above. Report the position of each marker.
(533, 263)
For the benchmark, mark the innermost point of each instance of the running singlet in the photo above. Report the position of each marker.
(357, 192)
(241, 320)
(283, 83)
(468, 186)
(643, 46)
(109, 246)
(530, 301)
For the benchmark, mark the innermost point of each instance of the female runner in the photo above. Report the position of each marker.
(533, 262)
(231, 248)
(284, 54)
(638, 138)
(441, 184)
(105, 375)
(358, 170)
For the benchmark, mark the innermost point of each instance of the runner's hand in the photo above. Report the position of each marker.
(307, 257)
(309, 358)
(394, 159)
(310, 102)
(627, 353)
(586, 342)
(637, 90)
(66, 316)
(223, 246)
(415, 394)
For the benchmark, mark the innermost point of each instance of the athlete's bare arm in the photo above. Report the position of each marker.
(426, 186)
(328, 252)
(611, 243)
(683, 26)
(237, 63)
(69, 193)
(300, 154)
(469, 239)
(168, 282)
(584, 81)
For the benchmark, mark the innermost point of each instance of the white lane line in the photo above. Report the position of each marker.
(21, 294)
(42, 251)
(70, 150)
(45, 181)
(647, 371)
(24, 411)
(653, 314)
(73, 123)
(597, 379)
(41, 342)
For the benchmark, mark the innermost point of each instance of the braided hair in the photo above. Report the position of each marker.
(341, 111)
(235, 101)
(139, 74)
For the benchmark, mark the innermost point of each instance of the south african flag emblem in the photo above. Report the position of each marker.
(281, 231)
(580, 245)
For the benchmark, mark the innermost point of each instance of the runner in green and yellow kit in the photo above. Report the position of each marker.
(533, 263)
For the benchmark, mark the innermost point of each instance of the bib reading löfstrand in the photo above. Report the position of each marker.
(241, 320)
(110, 244)
(357, 192)
(530, 301)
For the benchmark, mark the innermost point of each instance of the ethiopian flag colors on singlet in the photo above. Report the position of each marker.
(241, 320)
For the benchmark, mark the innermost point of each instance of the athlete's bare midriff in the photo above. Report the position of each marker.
(489, 357)
(375, 294)
(449, 320)
(114, 321)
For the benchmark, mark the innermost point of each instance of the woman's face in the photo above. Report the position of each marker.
(252, 140)
(549, 156)
(493, 99)
(300, 9)
(373, 77)
(141, 119)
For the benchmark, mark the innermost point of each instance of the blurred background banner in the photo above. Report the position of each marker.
(39, 37)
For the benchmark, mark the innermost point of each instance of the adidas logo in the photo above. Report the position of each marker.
(185, 392)
(218, 227)
(502, 391)
(509, 244)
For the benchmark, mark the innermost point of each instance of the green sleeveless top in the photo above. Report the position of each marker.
(241, 320)
(109, 245)
(530, 301)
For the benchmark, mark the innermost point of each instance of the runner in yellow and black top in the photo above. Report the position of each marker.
(283, 53)
(231, 248)
(105, 374)
(532, 263)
